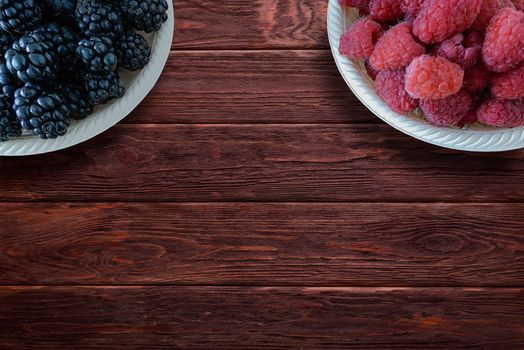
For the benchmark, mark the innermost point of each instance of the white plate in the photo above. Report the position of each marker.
(137, 84)
(477, 138)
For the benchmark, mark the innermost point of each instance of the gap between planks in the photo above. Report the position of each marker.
(337, 288)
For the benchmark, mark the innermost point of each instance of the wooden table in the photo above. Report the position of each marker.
(251, 202)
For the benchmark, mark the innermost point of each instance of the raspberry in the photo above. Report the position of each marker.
(503, 46)
(361, 5)
(390, 87)
(411, 6)
(385, 10)
(396, 48)
(488, 9)
(519, 4)
(460, 51)
(359, 40)
(502, 113)
(447, 111)
(372, 72)
(439, 19)
(471, 116)
(429, 77)
(469, 119)
(509, 85)
(476, 78)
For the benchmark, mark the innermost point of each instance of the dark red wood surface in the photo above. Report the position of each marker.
(205, 317)
(251, 202)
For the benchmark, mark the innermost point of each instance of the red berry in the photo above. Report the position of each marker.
(503, 46)
(474, 69)
(460, 51)
(448, 111)
(396, 48)
(372, 72)
(502, 113)
(471, 116)
(411, 7)
(519, 4)
(476, 78)
(359, 40)
(508, 85)
(469, 119)
(362, 5)
(429, 77)
(385, 10)
(439, 19)
(390, 87)
(488, 9)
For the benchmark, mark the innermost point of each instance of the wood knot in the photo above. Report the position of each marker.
(442, 242)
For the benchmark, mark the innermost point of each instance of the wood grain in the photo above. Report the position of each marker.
(262, 244)
(251, 108)
(251, 87)
(264, 163)
(257, 24)
(259, 318)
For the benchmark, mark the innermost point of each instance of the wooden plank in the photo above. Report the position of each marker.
(257, 24)
(259, 318)
(264, 163)
(251, 87)
(262, 244)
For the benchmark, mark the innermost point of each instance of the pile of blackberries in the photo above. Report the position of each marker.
(60, 58)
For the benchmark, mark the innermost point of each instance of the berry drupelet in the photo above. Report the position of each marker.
(44, 113)
(97, 17)
(132, 50)
(145, 15)
(97, 54)
(9, 126)
(18, 16)
(32, 59)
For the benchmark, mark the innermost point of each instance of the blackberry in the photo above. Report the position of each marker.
(64, 41)
(102, 87)
(44, 113)
(8, 83)
(97, 53)
(96, 17)
(132, 50)
(32, 59)
(76, 100)
(145, 15)
(17, 16)
(61, 7)
(9, 126)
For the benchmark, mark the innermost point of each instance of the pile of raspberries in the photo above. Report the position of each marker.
(459, 61)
